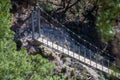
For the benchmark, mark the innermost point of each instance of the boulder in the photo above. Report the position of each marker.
(33, 50)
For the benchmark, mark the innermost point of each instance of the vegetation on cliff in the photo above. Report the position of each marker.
(16, 65)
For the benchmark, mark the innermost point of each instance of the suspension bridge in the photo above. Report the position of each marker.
(57, 37)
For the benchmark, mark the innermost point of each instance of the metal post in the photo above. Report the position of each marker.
(63, 46)
(52, 36)
(102, 65)
(52, 42)
(33, 28)
(97, 56)
(115, 66)
(79, 52)
(74, 50)
(84, 53)
(58, 43)
(68, 49)
(39, 21)
(90, 56)
(47, 38)
(108, 65)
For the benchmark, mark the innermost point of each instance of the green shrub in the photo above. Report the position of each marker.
(19, 65)
(63, 70)
(115, 69)
(45, 5)
(72, 73)
(108, 12)
(5, 18)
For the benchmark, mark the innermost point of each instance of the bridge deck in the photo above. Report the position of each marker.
(78, 57)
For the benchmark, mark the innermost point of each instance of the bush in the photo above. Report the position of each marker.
(108, 12)
(45, 5)
(18, 65)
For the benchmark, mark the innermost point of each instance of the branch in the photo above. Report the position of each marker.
(54, 3)
(68, 4)
(66, 9)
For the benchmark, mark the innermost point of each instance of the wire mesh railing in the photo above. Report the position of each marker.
(58, 37)
(85, 42)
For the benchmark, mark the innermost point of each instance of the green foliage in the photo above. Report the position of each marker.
(115, 69)
(64, 69)
(72, 73)
(19, 65)
(5, 18)
(45, 5)
(108, 12)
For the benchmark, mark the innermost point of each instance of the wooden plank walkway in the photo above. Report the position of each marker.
(78, 57)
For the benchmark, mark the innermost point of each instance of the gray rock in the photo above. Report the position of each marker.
(33, 50)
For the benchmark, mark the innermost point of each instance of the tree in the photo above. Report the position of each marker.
(106, 20)
(16, 65)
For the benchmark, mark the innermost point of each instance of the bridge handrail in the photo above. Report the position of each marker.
(77, 35)
(77, 51)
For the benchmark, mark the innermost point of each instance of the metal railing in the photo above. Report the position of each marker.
(57, 37)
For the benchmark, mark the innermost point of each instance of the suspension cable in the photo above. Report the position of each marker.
(101, 51)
